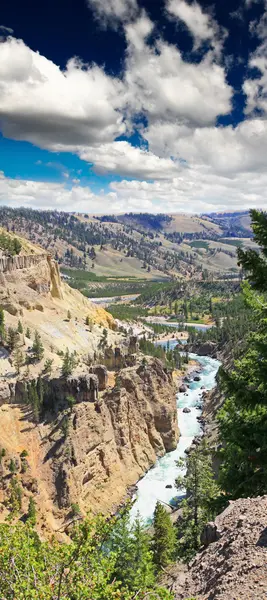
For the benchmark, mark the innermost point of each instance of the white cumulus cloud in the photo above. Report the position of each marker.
(164, 86)
(112, 11)
(122, 157)
(48, 107)
(201, 25)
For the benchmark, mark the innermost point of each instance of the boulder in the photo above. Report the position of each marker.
(168, 486)
(197, 378)
(182, 388)
(207, 349)
(186, 410)
(210, 534)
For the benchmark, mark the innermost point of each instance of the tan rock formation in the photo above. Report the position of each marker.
(31, 290)
(92, 453)
(112, 442)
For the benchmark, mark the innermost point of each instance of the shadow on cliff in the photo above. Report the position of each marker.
(262, 541)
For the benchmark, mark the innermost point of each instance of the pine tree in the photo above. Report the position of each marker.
(68, 364)
(201, 492)
(134, 559)
(18, 359)
(31, 515)
(164, 539)
(20, 328)
(185, 311)
(103, 341)
(33, 399)
(12, 338)
(37, 347)
(28, 333)
(15, 499)
(12, 466)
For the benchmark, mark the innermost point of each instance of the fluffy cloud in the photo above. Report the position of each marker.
(123, 158)
(197, 192)
(164, 86)
(256, 87)
(112, 11)
(218, 150)
(56, 196)
(49, 107)
(82, 105)
(201, 25)
(191, 164)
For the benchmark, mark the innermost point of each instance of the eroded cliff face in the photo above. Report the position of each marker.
(112, 441)
(92, 452)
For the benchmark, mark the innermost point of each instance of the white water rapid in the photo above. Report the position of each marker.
(152, 486)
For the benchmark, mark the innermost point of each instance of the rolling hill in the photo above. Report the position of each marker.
(136, 245)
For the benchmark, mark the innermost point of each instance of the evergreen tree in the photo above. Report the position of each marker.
(37, 347)
(31, 515)
(33, 399)
(68, 364)
(12, 466)
(134, 559)
(164, 539)
(28, 333)
(15, 498)
(18, 359)
(104, 338)
(243, 419)
(185, 311)
(12, 338)
(48, 366)
(20, 328)
(201, 492)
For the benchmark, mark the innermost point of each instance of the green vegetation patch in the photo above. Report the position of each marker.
(231, 242)
(199, 244)
(124, 312)
(9, 245)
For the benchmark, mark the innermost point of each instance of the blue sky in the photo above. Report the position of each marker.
(149, 105)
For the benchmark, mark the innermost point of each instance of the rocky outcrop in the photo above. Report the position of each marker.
(56, 391)
(102, 375)
(204, 349)
(234, 565)
(55, 281)
(23, 261)
(112, 442)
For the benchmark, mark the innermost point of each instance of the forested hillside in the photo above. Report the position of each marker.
(143, 245)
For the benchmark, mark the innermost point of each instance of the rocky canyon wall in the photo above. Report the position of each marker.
(92, 453)
(113, 440)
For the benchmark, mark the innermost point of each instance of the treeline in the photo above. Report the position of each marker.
(234, 321)
(171, 357)
(243, 419)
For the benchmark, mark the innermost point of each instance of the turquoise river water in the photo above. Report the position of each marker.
(152, 486)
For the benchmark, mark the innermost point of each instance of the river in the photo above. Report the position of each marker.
(152, 486)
